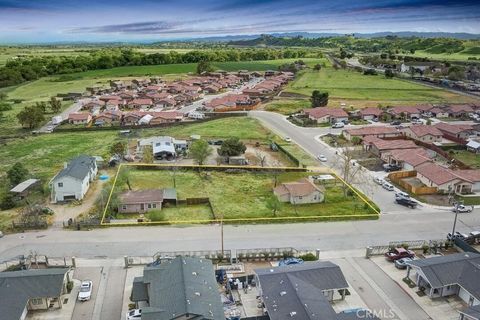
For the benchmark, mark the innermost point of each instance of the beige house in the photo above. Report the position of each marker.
(140, 201)
(423, 133)
(303, 191)
(446, 180)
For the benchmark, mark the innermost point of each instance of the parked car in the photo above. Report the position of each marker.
(406, 202)
(402, 263)
(288, 139)
(378, 180)
(417, 121)
(391, 167)
(475, 234)
(462, 208)
(402, 195)
(134, 314)
(388, 186)
(1, 234)
(399, 253)
(345, 121)
(85, 292)
(215, 142)
(338, 125)
(457, 235)
(396, 123)
(322, 158)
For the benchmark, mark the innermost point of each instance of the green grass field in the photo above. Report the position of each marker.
(469, 158)
(356, 89)
(241, 195)
(287, 106)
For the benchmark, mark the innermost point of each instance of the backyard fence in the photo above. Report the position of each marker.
(410, 244)
(397, 178)
(35, 261)
(205, 254)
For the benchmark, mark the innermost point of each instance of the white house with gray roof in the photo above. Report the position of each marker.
(73, 181)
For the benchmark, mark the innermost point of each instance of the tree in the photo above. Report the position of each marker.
(273, 204)
(118, 148)
(319, 99)
(55, 104)
(350, 172)
(232, 147)
(200, 151)
(204, 66)
(429, 122)
(42, 106)
(261, 158)
(148, 154)
(356, 140)
(317, 67)
(8, 202)
(30, 117)
(17, 173)
(389, 74)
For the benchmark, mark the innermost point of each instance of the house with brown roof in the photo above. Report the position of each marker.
(378, 146)
(95, 104)
(140, 103)
(423, 133)
(300, 192)
(444, 179)
(404, 112)
(140, 201)
(326, 115)
(107, 117)
(79, 118)
(370, 113)
(408, 159)
(376, 131)
(438, 112)
(461, 131)
(165, 117)
(459, 110)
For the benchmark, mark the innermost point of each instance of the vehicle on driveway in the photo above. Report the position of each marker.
(322, 158)
(85, 292)
(417, 121)
(402, 263)
(391, 167)
(378, 180)
(388, 186)
(462, 208)
(338, 125)
(396, 123)
(407, 202)
(399, 253)
(135, 314)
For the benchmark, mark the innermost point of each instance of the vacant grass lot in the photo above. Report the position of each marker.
(287, 106)
(241, 195)
(354, 88)
(45, 154)
(469, 158)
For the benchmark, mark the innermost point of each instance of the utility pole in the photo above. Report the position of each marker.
(454, 223)
(221, 231)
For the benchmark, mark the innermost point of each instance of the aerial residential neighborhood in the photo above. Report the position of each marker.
(226, 160)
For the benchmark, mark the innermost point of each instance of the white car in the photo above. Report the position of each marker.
(322, 158)
(1, 234)
(378, 180)
(338, 125)
(85, 292)
(288, 139)
(134, 314)
(462, 208)
(388, 186)
(402, 195)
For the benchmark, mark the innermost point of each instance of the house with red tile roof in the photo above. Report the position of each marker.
(444, 179)
(79, 118)
(378, 146)
(376, 131)
(166, 117)
(407, 112)
(94, 104)
(459, 110)
(438, 112)
(461, 131)
(107, 117)
(424, 133)
(140, 103)
(408, 159)
(303, 191)
(326, 115)
(370, 113)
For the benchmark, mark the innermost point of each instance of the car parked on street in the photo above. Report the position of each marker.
(456, 235)
(402, 195)
(399, 253)
(406, 202)
(338, 125)
(85, 292)
(396, 123)
(378, 180)
(135, 314)
(402, 263)
(462, 208)
(322, 158)
(388, 186)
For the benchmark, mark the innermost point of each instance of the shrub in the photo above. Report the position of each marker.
(156, 216)
(308, 257)
(425, 248)
(69, 286)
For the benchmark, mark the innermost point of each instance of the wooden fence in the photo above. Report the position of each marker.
(398, 178)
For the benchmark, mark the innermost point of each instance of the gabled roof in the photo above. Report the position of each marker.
(372, 130)
(436, 173)
(472, 311)
(78, 168)
(473, 144)
(405, 109)
(17, 287)
(300, 188)
(423, 130)
(460, 268)
(452, 128)
(141, 196)
(321, 112)
(382, 144)
(299, 289)
(180, 286)
(78, 116)
(371, 111)
(414, 157)
(24, 185)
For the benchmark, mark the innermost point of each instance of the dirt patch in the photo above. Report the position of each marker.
(436, 199)
(292, 95)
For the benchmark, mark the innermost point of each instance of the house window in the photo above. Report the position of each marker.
(149, 206)
(300, 198)
(124, 207)
(60, 184)
(37, 301)
(154, 205)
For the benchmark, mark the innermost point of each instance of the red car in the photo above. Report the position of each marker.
(399, 253)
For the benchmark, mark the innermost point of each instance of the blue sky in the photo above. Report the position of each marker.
(122, 20)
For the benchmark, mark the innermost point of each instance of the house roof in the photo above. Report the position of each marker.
(19, 188)
(141, 196)
(170, 194)
(300, 188)
(423, 130)
(473, 144)
(78, 168)
(321, 112)
(452, 128)
(460, 108)
(17, 287)
(414, 157)
(459, 268)
(180, 286)
(79, 116)
(472, 175)
(472, 311)
(372, 130)
(299, 289)
(405, 109)
(370, 111)
(382, 144)
(436, 173)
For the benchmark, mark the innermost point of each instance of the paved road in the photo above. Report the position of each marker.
(75, 107)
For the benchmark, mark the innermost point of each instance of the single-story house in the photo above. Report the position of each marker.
(455, 274)
(461, 131)
(408, 159)
(472, 176)
(107, 117)
(376, 131)
(79, 118)
(377, 146)
(370, 113)
(299, 192)
(21, 190)
(459, 110)
(470, 313)
(73, 181)
(444, 179)
(89, 106)
(28, 290)
(140, 201)
(473, 146)
(166, 117)
(439, 112)
(325, 114)
(181, 288)
(140, 103)
(405, 112)
(303, 291)
(423, 133)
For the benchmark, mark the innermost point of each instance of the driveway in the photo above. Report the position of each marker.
(84, 310)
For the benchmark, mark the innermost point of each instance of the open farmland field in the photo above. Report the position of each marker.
(356, 89)
(239, 195)
(7, 53)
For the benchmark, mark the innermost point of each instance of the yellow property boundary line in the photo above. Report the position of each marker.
(249, 168)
